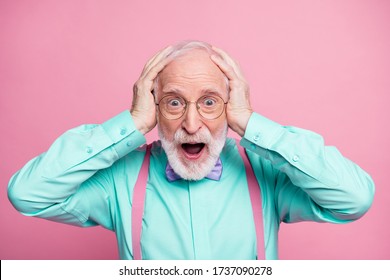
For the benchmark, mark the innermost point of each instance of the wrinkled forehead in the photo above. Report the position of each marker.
(193, 68)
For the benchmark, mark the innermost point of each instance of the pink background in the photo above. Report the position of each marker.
(320, 65)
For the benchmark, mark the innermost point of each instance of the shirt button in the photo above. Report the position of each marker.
(295, 158)
(123, 131)
(129, 143)
(89, 150)
(256, 137)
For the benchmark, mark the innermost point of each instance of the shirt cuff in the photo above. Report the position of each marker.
(123, 133)
(260, 132)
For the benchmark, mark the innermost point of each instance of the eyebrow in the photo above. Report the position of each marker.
(171, 90)
(206, 90)
(212, 91)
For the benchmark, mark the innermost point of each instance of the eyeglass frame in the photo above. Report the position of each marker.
(196, 105)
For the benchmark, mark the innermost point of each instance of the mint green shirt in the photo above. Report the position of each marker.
(87, 176)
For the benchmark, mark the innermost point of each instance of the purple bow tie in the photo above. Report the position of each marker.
(215, 174)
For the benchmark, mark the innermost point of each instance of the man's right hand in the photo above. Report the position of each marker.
(143, 109)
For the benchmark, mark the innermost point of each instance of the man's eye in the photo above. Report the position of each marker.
(175, 103)
(209, 102)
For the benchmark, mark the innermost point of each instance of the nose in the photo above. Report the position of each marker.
(192, 121)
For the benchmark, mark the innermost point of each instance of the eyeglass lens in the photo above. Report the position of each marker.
(208, 106)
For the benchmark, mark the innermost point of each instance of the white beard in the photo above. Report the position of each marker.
(193, 169)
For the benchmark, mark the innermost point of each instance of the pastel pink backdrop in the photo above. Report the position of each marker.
(320, 65)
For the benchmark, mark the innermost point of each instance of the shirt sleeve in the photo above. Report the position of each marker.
(312, 181)
(66, 182)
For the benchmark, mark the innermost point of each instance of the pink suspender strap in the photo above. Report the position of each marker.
(255, 195)
(138, 205)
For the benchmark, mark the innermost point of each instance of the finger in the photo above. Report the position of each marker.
(157, 65)
(156, 58)
(226, 68)
(156, 68)
(224, 55)
(146, 82)
(234, 64)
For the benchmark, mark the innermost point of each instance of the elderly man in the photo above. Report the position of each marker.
(195, 194)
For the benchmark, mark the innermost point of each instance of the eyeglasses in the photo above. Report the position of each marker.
(173, 107)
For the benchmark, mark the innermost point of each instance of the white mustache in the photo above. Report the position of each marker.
(202, 136)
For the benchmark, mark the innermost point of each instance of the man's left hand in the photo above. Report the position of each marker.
(238, 109)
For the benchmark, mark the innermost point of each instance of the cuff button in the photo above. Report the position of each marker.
(123, 131)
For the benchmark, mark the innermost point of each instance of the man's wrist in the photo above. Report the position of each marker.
(240, 125)
(139, 123)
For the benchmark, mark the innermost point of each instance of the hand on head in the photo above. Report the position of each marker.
(238, 109)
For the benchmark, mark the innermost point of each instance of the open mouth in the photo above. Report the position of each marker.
(193, 150)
